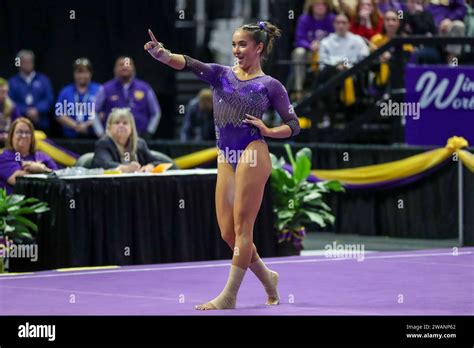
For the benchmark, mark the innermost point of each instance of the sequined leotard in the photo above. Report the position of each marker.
(233, 98)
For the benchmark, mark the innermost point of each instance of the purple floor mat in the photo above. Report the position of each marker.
(427, 282)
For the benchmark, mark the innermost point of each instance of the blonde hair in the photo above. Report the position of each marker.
(8, 105)
(132, 145)
(205, 98)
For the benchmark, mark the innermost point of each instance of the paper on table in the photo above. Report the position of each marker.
(162, 167)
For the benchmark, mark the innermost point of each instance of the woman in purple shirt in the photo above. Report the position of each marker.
(20, 156)
(313, 25)
(241, 94)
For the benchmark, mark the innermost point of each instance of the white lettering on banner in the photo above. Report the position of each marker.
(437, 92)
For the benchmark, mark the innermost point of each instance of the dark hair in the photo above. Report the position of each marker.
(82, 63)
(399, 30)
(263, 32)
(132, 62)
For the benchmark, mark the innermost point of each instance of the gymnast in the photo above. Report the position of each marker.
(241, 94)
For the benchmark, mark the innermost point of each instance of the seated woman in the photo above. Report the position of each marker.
(20, 156)
(313, 25)
(367, 19)
(391, 29)
(121, 148)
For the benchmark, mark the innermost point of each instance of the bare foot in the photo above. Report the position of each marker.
(273, 296)
(220, 302)
(205, 306)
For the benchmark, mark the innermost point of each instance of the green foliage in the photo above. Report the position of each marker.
(13, 223)
(296, 201)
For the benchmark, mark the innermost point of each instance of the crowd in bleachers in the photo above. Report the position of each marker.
(332, 36)
(82, 106)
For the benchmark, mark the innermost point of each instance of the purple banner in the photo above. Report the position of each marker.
(439, 104)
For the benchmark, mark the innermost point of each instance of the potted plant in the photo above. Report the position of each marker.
(296, 201)
(13, 224)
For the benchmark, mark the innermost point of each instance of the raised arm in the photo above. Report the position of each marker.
(158, 51)
(209, 73)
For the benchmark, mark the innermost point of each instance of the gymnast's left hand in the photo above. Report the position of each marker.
(255, 121)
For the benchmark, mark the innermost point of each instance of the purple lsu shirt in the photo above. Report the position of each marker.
(10, 162)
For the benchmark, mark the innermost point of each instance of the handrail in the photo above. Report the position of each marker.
(396, 42)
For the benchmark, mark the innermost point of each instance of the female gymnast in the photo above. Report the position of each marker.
(241, 94)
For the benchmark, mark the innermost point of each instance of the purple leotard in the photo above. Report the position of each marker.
(233, 98)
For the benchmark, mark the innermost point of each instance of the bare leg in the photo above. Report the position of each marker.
(225, 197)
(245, 200)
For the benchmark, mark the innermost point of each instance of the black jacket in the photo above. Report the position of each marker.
(420, 23)
(107, 156)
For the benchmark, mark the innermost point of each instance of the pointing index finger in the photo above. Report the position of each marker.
(153, 38)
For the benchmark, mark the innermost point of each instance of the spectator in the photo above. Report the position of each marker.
(446, 12)
(367, 20)
(313, 25)
(8, 111)
(77, 120)
(339, 51)
(449, 16)
(127, 91)
(198, 121)
(391, 29)
(31, 91)
(418, 21)
(121, 148)
(20, 156)
(342, 49)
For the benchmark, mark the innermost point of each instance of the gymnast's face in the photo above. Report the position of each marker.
(245, 49)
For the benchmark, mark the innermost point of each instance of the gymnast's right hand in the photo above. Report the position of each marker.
(154, 47)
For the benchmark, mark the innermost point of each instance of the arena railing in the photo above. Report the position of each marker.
(396, 91)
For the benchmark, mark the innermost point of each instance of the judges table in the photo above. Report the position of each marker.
(126, 219)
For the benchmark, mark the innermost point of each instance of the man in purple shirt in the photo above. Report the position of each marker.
(453, 10)
(127, 91)
(312, 26)
(449, 16)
